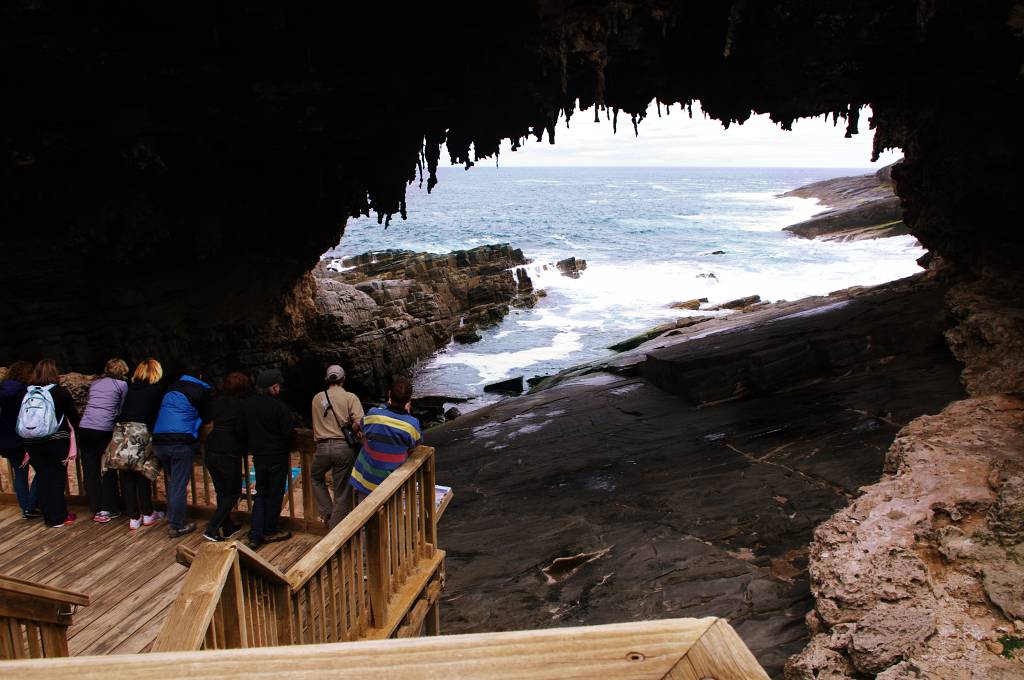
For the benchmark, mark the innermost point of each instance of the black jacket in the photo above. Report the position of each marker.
(269, 425)
(229, 435)
(142, 403)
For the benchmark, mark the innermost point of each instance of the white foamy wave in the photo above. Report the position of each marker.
(493, 367)
(662, 187)
(743, 195)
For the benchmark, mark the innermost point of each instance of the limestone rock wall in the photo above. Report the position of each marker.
(920, 577)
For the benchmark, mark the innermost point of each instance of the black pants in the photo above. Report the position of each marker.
(226, 472)
(100, 487)
(47, 459)
(271, 477)
(138, 494)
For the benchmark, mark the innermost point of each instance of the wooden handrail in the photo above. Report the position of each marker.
(681, 649)
(34, 619)
(16, 586)
(377, 574)
(299, 511)
(315, 559)
(193, 609)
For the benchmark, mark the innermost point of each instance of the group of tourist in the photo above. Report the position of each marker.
(130, 431)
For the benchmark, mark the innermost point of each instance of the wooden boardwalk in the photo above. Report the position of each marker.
(131, 577)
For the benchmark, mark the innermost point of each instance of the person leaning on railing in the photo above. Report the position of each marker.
(185, 407)
(270, 428)
(224, 447)
(12, 390)
(336, 421)
(51, 453)
(390, 433)
(130, 450)
(106, 397)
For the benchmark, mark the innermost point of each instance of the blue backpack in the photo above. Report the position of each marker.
(37, 417)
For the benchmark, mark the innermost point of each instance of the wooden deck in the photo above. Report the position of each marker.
(131, 577)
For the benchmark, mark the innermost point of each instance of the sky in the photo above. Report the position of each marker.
(677, 140)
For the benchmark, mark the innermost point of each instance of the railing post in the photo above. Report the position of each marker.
(429, 514)
(377, 566)
(309, 513)
(236, 636)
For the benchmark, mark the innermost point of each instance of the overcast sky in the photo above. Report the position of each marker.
(677, 140)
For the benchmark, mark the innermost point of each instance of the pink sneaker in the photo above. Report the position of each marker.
(70, 519)
(150, 520)
(134, 524)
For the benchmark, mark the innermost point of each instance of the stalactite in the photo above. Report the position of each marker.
(853, 118)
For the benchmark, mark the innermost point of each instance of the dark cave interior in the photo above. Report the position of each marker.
(171, 172)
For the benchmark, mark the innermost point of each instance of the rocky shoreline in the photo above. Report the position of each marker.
(860, 207)
(684, 477)
(379, 313)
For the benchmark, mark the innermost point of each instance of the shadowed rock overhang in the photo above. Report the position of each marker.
(169, 171)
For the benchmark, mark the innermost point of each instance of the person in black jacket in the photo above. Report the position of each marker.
(138, 415)
(51, 455)
(270, 427)
(225, 446)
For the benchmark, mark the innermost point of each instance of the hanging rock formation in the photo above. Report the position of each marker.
(169, 176)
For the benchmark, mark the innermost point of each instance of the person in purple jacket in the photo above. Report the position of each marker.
(106, 397)
(12, 389)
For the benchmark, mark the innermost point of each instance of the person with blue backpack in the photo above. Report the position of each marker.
(183, 410)
(46, 423)
(12, 391)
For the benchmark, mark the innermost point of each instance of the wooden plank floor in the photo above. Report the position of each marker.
(132, 577)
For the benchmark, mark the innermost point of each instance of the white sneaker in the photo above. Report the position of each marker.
(134, 524)
(150, 520)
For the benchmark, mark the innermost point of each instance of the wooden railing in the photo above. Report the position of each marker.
(376, 575)
(298, 512)
(34, 619)
(680, 649)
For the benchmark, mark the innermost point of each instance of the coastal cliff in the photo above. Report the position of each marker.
(860, 207)
(379, 313)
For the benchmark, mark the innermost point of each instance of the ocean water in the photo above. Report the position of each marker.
(647, 235)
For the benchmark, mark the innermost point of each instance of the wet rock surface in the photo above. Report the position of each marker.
(682, 506)
(859, 208)
(921, 576)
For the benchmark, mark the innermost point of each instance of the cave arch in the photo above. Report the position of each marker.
(172, 172)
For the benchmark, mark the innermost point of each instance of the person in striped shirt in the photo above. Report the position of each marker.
(390, 433)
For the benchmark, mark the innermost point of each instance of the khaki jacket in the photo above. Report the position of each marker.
(346, 406)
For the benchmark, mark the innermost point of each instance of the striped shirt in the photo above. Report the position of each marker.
(391, 434)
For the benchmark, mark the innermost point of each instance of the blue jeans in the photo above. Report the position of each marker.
(176, 460)
(28, 498)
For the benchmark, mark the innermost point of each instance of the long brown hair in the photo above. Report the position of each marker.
(45, 372)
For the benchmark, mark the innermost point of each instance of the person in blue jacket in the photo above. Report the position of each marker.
(185, 407)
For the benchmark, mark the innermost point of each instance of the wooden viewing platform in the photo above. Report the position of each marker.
(335, 605)
(131, 578)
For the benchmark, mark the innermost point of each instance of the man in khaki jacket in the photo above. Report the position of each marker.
(334, 410)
